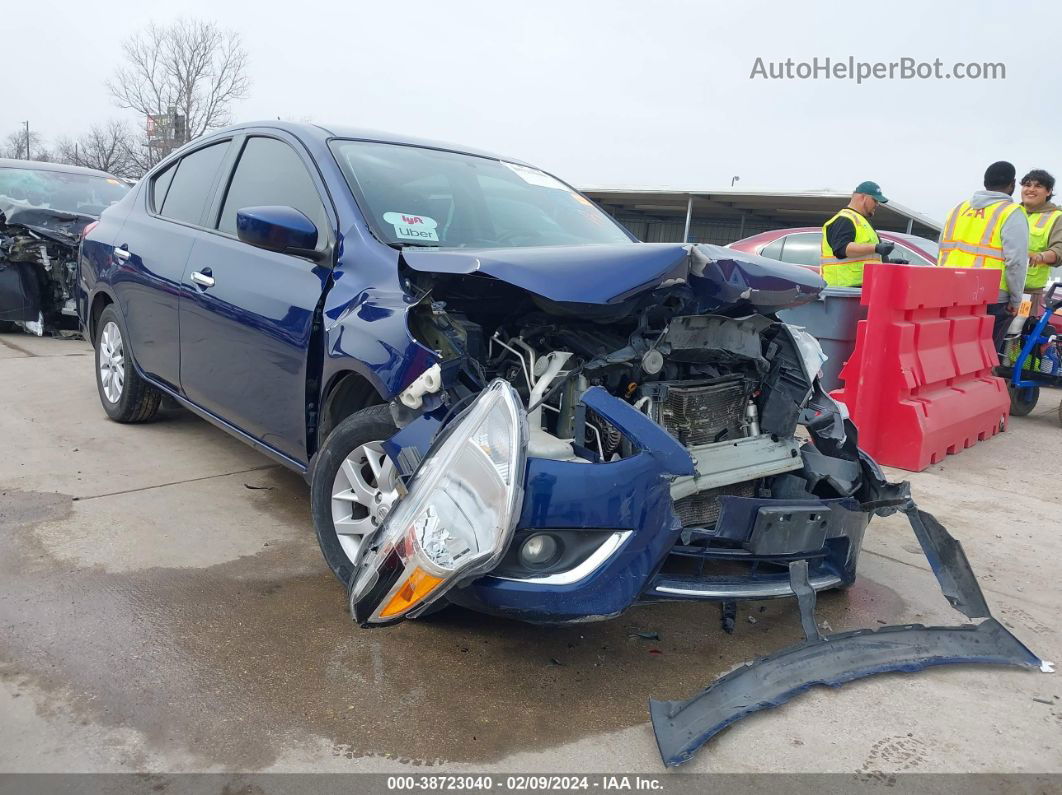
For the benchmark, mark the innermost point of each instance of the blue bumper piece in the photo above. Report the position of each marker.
(632, 494)
(682, 727)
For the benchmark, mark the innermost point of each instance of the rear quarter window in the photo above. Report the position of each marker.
(773, 249)
(159, 186)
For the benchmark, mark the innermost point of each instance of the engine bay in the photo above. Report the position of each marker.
(732, 389)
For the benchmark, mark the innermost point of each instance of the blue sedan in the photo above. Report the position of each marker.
(500, 398)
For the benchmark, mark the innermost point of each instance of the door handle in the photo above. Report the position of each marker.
(122, 252)
(203, 278)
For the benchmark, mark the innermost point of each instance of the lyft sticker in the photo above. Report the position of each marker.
(413, 227)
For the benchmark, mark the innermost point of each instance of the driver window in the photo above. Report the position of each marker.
(270, 173)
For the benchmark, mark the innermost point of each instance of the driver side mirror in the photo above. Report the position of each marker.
(281, 229)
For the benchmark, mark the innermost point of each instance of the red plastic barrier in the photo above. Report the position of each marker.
(919, 383)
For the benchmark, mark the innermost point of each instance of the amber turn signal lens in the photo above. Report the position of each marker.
(413, 590)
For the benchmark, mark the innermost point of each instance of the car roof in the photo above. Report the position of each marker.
(324, 133)
(40, 165)
(773, 234)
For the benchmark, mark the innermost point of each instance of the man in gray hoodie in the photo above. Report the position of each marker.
(977, 229)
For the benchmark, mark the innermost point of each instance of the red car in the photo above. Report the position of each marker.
(801, 246)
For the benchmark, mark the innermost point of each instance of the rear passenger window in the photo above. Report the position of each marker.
(270, 173)
(804, 248)
(160, 185)
(190, 187)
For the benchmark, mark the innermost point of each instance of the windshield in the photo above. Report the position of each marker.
(58, 190)
(425, 197)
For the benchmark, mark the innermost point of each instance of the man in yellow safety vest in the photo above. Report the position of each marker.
(988, 230)
(1045, 233)
(849, 242)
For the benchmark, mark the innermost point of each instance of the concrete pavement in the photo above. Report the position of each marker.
(164, 606)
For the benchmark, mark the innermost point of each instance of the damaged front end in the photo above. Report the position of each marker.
(664, 438)
(45, 210)
(38, 269)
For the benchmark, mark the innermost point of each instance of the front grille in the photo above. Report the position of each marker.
(702, 509)
(706, 413)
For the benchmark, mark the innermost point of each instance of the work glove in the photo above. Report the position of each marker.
(884, 249)
(897, 261)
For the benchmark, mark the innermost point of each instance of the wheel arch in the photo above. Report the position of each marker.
(100, 301)
(348, 391)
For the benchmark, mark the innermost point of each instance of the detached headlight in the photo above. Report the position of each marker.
(458, 517)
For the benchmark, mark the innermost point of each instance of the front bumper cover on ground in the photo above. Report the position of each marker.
(682, 727)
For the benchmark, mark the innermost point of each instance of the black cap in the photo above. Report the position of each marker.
(999, 175)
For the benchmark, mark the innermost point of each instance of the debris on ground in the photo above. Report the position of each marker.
(645, 635)
(729, 616)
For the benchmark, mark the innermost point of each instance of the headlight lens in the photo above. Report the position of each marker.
(458, 517)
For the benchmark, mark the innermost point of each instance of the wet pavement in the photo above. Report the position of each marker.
(164, 605)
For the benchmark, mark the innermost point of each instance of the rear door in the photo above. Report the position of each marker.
(246, 326)
(156, 239)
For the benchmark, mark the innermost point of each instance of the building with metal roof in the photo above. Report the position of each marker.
(723, 216)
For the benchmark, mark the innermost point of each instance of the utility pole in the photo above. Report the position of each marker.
(27, 140)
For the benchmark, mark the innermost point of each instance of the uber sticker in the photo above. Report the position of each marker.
(413, 227)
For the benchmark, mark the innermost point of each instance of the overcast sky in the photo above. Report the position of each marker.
(605, 94)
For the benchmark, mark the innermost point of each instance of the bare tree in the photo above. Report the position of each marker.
(109, 147)
(14, 145)
(190, 72)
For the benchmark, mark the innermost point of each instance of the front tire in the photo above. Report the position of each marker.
(354, 486)
(125, 395)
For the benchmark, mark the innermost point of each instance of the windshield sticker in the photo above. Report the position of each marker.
(413, 227)
(533, 176)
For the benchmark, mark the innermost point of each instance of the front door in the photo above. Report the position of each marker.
(247, 313)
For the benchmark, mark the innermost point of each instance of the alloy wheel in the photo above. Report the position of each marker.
(365, 488)
(112, 362)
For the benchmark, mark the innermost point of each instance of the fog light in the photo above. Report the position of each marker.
(539, 550)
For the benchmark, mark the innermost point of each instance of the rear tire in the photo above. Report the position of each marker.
(125, 395)
(1020, 405)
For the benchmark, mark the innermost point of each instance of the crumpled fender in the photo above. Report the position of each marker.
(725, 278)
(649, 437)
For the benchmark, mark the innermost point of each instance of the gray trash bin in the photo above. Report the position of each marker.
(832, 319)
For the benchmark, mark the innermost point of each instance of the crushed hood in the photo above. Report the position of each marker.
(57, 225)
(606, 274)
